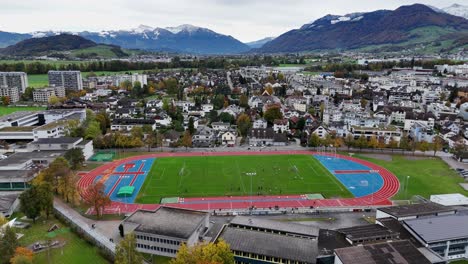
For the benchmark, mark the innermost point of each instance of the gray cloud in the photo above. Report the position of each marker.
(244, 19)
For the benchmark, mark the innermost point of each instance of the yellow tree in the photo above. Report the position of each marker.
(22, 255)
(126, 253)
(373, 142)
(187, 140)
(204, 253)
(437, 144)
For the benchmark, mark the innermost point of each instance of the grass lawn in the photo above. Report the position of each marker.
(220, 176)
(459, 262)
(5, 110)
(75, 250)
(38, 80)
(427, 176)
(41, 80)
(292, 65)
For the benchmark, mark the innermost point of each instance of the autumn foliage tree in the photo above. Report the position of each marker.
(22, 256)
(204, 253)
(97, 198)
(126, 253)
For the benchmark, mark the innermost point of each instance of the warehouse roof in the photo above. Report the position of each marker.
(439, 228)
(167, 221)
(401, 252)
(272, 245)
(415, 209)
(368, 232)
(275, 226)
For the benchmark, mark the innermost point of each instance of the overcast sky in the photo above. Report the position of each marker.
(246, 20)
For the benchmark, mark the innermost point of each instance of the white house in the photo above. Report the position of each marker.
(228, 138)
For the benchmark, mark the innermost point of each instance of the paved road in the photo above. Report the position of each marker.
(103, 231)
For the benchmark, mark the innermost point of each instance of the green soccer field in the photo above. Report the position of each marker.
(229, 175)
(427, 176)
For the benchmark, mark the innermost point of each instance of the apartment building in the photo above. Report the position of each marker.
(43, 95)
(14, 79)
(70, 80)
(10, 92)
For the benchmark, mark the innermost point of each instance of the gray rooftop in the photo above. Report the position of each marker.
(60, 140)
(275, 225)
(368, 232)
(439, 228)
(272, 245)
(15, 175)
(7, 200)
(23, 157)
(17, 115)
(415, 209)
(167, 221)
(401, 252)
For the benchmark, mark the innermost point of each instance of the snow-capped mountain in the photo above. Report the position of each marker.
(333, 19)
(373, 29)
(259, 43)
(184, 38)
(457, 10)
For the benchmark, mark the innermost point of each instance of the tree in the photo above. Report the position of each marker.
(191, 126)
(204, 253)
(30, 203)
(423, 146)
(22, 255)
(5, 100)
(75, 158)
(187, 140)
(218, 101)
(227, 118)
(314, 140)
(361, 142)
(104, 121)
(126, 85)
(373, 142)
(404, 142)
(322, 109)
(273, 113)
(363, 103)
(8, 244)
(349, 140)
(28, 94)
(437, 144)
(243, 124)
(47, 197)
(54, 100)
(97, 198)
(244, 101)
(126, 253)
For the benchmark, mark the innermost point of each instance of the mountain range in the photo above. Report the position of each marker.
(64, 46)
(182, 39)
(415, 26)
(406, 27)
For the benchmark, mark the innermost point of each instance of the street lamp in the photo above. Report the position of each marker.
(406, 186)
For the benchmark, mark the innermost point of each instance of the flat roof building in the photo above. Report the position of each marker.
(161, 232)
(401, 252)
(454, 199)
(404, 212)
(265, 225)
(251, 246)
(44, 94)
(446, 235)
(10, 92)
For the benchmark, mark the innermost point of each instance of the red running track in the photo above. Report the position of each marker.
(389, 188)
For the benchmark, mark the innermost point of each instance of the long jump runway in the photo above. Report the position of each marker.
(371, 184)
